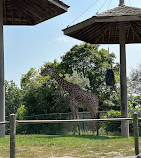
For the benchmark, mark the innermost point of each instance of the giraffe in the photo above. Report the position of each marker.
(78, 98)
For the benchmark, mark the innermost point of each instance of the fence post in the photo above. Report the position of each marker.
(136, 133)
(97, 125)
(12, 135)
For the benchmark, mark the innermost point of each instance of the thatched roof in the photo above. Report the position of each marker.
(31, 12)
(103, 28)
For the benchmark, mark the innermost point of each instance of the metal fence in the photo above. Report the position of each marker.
(13, 123)
(85, 127)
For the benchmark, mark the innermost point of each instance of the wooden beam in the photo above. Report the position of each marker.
(63, 6)
(4, 11)
(44, 7)
(28, 10)
(138, 23)
(117, 18)
(12, 135)
(83, 32)
(109, 34)
(2, 87)
(12, 15)
(123, 82)
(99, 19)
(70, 121)
(116, 33)
(121, 2)
(128, 32)
(78, 26)
(36, 7)
(136, 133)
(95, 32)
(135, 32)
(138, 26)
(104, 31)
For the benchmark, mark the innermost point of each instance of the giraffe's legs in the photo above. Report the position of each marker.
(75, 115)
(92, 113)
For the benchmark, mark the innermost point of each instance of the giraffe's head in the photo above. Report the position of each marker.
(46, 71)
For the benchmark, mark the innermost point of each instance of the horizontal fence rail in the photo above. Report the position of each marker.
(66, 121)
(4, 123)
(70, 121)
(13, 123)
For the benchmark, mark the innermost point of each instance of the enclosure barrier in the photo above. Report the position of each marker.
(13, 123)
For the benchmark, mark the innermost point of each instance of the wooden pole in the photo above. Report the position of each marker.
(136, 133)
(2, 88)
(121, 2)
(123, 82)
(12, 135)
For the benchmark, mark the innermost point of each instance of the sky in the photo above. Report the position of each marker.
(32, 46)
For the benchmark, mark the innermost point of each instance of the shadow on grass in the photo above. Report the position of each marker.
(91, 137)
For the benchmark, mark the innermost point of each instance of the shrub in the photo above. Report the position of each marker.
(112, 126)
(21, 129)
(115, 126)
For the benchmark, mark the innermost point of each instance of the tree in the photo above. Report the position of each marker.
(82, 64)
(134, 84)
(78, 58)
(13, 98)
(78, 79)
(86, 59)
(42, 95)
(135, 80)
(134, 100)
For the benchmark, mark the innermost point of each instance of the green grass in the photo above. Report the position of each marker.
(84, 146)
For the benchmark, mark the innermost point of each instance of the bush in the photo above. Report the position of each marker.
(115, 126)
(21, 129)
(50, 128)
(132, 110)
(112, 126)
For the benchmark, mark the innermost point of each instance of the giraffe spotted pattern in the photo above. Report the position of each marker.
(78, 98)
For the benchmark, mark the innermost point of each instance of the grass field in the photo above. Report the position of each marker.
(52, 146)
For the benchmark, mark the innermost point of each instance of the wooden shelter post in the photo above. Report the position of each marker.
(123, 83)
(121, 2)
(19, 16)
(114, 26)
(2, 88)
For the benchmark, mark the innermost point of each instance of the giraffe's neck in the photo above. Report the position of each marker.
(64, 84)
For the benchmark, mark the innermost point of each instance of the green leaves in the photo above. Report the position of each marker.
(13, 98)
(87, 60)
(42, 95)
(135, 80)
(80, 80)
